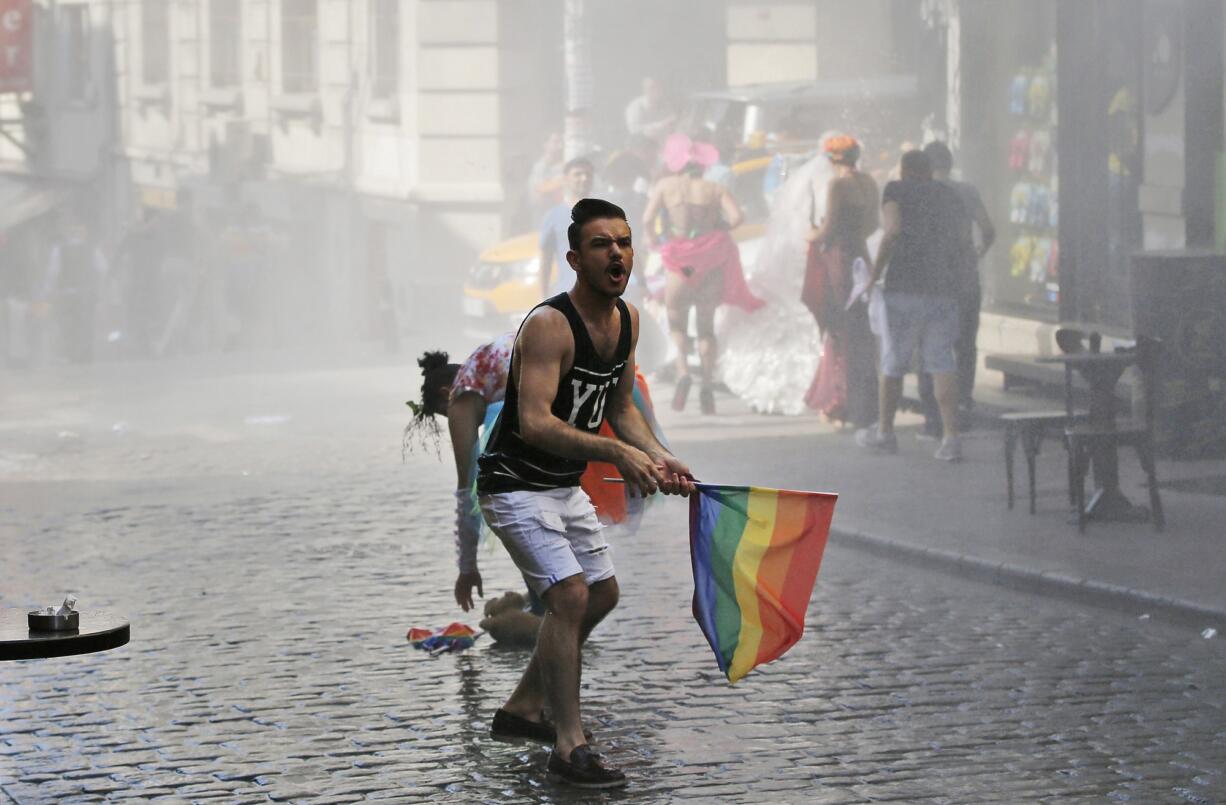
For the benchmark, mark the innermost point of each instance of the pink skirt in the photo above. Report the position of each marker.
(714, 251)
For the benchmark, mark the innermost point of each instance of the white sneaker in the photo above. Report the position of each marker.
(950, 449)
(871, 437)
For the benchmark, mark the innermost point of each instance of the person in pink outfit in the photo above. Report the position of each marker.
(701, 260)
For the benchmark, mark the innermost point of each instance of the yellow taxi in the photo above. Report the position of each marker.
(503, 285)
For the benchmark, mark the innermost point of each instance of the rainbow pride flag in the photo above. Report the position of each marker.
(454, 637)
(755, 553)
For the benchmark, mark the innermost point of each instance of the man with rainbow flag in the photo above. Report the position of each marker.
(572, 364)
(755, 551)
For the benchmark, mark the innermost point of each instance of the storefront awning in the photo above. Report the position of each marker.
(22, 200)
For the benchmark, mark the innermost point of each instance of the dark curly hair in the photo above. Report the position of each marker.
(436, 373)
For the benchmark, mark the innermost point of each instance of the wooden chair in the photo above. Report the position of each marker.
(1030, 427)
(1083, 438)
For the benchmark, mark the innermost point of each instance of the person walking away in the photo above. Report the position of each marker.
(701, 261)
(919, 253)
(572, 365)
(75, 273)
(975, 219)
(845, 386)
(577, 177)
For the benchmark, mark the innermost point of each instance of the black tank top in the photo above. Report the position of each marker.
(509, 464)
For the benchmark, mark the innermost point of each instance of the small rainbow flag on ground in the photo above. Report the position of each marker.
(756, 553)
(454, 637)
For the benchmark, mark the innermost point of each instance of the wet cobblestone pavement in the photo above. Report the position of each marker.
(268, 659)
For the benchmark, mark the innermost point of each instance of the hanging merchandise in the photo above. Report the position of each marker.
(1019, 150)
(1018, 94)
(1019, 202)
(1033, 211)
(1036, 213)
(1040, 147)
(1039, 96)
(1019, 256)
(1038, 260)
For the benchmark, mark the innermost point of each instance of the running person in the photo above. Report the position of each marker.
(701, 260)
(572, 365)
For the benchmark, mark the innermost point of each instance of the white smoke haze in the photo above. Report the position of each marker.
(258, 175)
(259, 178)
(231, 229)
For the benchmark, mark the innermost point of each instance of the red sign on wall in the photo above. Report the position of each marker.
(16, 25)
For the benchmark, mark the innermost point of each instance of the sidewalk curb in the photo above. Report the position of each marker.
(1015, 577)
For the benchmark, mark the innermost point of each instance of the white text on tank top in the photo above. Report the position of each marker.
(583, 391)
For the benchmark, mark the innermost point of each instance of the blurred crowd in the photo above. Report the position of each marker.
(698, 194)
(171, 284)
(902, 230)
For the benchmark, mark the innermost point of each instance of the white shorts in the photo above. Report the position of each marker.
(551, 535)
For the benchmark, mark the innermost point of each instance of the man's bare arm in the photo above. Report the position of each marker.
(673, 476)
(625, 418)
(987, 231)
(544, 346)
(464, 417)
(628, 421)
(889, 239)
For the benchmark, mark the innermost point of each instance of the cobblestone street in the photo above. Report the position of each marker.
(271, 549)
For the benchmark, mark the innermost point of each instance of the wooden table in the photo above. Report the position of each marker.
(1102, 371)
(99, 631)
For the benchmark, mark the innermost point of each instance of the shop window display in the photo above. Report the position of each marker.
(1034, 250)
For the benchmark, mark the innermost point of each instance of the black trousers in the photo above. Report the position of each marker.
(967, 355)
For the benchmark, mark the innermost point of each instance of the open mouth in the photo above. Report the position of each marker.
(617, 272)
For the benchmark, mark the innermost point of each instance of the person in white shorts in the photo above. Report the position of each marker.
(922, 252)
(572, 365)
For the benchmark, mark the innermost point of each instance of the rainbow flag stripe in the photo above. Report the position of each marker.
(756, 553)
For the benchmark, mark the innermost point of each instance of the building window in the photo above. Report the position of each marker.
(155, 41)
(385, 49)
(225, 43)
(74, 28)
(299, 45)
